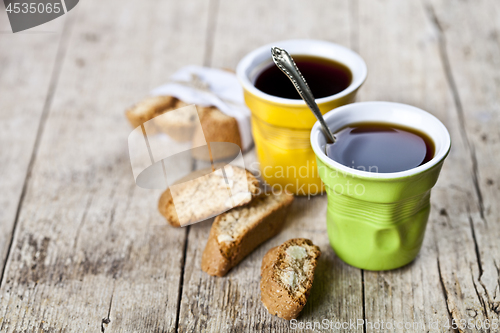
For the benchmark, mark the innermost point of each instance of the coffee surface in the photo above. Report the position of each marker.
(325, 78)
(380, 147)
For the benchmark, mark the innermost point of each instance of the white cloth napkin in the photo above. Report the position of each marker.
(209, 86)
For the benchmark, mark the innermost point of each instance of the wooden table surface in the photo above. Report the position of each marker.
(83, 249)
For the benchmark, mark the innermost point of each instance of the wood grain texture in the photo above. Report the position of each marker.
(91, 253)
(26, 80)
(470, 51)
(245, 25)
(232, 303)
(407, 65)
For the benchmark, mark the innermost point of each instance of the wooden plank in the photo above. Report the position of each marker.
(232, 303)
(262, 24)
(471, 53)
(406, 66)
(26, 85)
(91, 251)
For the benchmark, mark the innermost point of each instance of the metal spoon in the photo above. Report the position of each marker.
(286, 64)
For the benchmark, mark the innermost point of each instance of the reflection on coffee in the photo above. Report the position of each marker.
(380, 147)
(325, 77)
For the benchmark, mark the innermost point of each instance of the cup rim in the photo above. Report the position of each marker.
(440, 134)
(306, 47)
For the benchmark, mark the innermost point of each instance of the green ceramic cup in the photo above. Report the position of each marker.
(376, 221)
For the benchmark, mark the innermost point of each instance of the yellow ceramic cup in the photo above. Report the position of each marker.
(281, 127)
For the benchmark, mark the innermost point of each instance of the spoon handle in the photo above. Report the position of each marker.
(286, 64)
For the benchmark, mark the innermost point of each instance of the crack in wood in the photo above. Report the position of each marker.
(480, 267)
(476, 246)
(113, 208)
(445, 293)
(112, 215)
(431, 14)
(54, 80)
(496, 306)
(82, 220)
(483, 304)
(106, 320)
(181, 282)
(472, 154)
(477, 186)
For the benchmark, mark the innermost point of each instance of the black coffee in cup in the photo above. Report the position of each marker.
(325, 77)
(380, 147)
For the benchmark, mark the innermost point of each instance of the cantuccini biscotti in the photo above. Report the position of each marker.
(287, 277)
(179, 125)
(183, 126)
(149, 108)
(208, 195)
(217, 127)
(239, 231)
